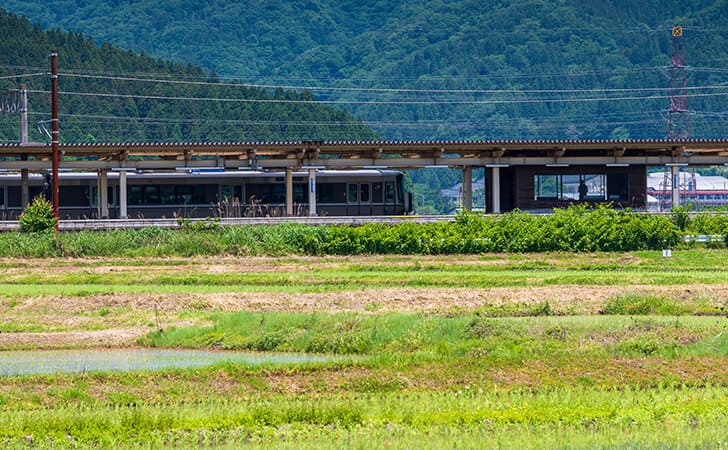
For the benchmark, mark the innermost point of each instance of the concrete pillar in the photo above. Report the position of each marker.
(495, 188)
(467, 188)
(103, 194)
(312, 192)
(675, 186)
(23, 113)
(289, 192)
(122, 195)
(24, 190)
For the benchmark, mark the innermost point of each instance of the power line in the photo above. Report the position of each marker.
(22, 75)
(388, 90)
(376, 102)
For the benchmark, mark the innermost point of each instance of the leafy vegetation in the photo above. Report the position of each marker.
(38, 217)
(575, 229)
(437, 44)
(250, 114)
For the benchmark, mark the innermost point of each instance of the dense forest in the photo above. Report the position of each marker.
(139, 114)
(442, 69)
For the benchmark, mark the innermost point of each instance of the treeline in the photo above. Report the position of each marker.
(519, 45)
(139, 114)
(575, 229)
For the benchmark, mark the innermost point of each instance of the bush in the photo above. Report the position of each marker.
(38, 217)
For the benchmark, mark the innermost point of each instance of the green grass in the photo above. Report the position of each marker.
(433, 336)
(614, 415)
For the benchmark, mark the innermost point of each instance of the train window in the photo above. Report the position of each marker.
(331, 192)
(237, 193)
(377, 193)
(14, 196)
(258, 193)
(74, 195)
(389, 192)
(353, 193)
(204, 193)
(226, 192)
(151, 195)
(364, 193)
(183, 193)
(167, 194)
(278, 192)
(135, 195)
(2, 196)
(299, 194)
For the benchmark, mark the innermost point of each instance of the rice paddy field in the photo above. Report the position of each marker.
(543, 350)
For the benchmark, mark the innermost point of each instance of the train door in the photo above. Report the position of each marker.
(377, 198)
(358, 199)
(390, 198)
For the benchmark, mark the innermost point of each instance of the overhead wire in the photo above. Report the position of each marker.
(386, 90)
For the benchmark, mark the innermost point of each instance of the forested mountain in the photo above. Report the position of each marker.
(139, 114)
(529, 68)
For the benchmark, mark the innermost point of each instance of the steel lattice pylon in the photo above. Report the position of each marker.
(678, 124)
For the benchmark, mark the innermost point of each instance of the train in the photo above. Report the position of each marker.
(199, 193)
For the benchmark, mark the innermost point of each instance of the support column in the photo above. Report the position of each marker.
(495, 188)
(122, 195)
(467, 188)
(24, 189)
(312, 192)
(675, 186)
(289, 192)
(103, 194)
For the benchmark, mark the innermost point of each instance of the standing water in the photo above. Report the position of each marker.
(115, 360)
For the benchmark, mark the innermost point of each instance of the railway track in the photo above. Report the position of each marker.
(113, 224)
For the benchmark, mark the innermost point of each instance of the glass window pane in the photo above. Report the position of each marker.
(377, 192)
(592, 187)
(364, 191)
(546, 187)
(353, 193)
(389, 192)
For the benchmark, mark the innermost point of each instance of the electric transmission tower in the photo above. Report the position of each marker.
(678, 125)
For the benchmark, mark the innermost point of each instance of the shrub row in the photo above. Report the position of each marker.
(575, 229)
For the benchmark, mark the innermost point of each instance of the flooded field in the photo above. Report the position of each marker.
(130, 359)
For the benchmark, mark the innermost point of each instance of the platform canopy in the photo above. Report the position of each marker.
(364, 154)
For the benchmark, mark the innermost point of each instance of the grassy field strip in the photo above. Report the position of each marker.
(686, 412)
(78, 285)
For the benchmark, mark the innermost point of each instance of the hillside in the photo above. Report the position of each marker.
(598, 46)
(246, 114)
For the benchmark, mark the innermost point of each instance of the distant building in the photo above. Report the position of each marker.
(454, 194)
(700, 191)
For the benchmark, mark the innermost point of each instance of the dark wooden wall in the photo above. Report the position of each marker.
(517, 186)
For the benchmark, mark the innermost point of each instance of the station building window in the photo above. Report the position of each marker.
(577, 187)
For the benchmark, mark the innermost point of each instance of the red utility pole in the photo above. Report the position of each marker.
(54, 132)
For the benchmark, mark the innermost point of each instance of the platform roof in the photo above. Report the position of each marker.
(358, 154)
